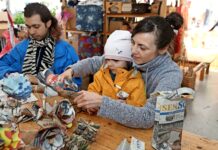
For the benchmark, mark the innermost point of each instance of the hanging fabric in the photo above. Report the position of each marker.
(89, 18)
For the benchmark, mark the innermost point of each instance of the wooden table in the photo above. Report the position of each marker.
(111, 134)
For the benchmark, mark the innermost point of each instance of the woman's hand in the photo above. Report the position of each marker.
(92, 111)
(88, 100)
(66, 75)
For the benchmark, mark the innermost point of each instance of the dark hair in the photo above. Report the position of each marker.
(159, 27)
(45, 15)
(175, 20)
(129, 65)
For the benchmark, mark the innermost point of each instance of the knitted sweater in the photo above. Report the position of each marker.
(160, 74)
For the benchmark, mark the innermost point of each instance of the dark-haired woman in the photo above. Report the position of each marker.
(150, 42)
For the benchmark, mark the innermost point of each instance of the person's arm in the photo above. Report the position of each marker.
(65, 55)
(5, 65)
(128, 115)
(83, 68)
(139, 117)
(13, 61)
(87, 66)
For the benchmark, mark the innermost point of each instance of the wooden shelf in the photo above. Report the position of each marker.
(75, 31)
(121, 15)
(130, 15)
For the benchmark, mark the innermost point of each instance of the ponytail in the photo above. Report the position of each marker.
(175, 20)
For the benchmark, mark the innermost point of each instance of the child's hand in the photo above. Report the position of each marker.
(68, 74)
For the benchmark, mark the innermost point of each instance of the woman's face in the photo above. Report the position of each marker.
(143, 48)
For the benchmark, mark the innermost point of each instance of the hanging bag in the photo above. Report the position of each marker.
(141, 8)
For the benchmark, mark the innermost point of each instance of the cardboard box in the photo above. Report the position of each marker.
(127, 7)
(115, 25)
(71, 23)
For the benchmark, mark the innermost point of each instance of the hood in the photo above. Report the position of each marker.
(153, 63)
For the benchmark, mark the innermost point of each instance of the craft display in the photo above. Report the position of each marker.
(10, 138)
(84, 134)
(48, 78)
(34, 113)
(9, 110)
(26, 115)
(135, 144)
(76, 142)
(87, 130)
(169, 118)
(50, 139)
(17, 86)
(55, 138)
(65, 113)
(53, 119)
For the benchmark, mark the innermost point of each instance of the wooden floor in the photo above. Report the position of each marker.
(202, 113)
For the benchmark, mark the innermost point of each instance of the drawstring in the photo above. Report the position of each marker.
(146, 76)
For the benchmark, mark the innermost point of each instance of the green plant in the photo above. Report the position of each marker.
(53, 11)
(19, 18)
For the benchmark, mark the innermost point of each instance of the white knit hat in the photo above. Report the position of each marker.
(118, 46)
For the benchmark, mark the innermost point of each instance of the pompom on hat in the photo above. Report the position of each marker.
(118, 46)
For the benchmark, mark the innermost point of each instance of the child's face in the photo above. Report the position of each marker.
(114, 64)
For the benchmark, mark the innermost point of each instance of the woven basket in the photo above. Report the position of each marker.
(189, 78)
(189, 81)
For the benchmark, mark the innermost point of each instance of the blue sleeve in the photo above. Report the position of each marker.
(13, 61)
(65, 55)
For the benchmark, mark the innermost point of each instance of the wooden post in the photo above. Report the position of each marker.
(163, 8)
(207, 68)
(202, 74)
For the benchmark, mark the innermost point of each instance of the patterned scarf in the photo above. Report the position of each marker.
(30, 60)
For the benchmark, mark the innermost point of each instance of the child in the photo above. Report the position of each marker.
(117, 78)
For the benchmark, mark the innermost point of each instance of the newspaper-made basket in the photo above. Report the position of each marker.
(169, 118)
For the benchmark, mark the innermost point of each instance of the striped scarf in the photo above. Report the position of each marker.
(30, 60)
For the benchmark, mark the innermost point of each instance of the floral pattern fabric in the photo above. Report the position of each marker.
(89, 18)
